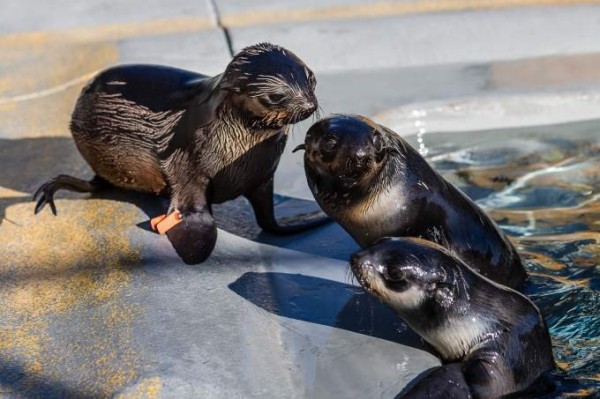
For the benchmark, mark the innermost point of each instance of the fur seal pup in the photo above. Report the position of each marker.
(374, 184)
(493, 339)
(198, 140)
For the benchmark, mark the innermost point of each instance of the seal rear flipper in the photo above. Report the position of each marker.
(261, 199)
(195, 237)
(445, 382)
(64, 182)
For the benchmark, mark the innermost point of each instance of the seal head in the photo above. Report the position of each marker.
(412, 275)
(271, 85)
(344, 154)
(496, 334)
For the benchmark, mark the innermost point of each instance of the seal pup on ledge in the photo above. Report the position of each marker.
(198, 140)
(374, 184)
(492, 339)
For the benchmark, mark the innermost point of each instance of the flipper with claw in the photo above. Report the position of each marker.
(45, 194)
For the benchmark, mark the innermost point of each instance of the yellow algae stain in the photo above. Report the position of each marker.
(379, 9)
(582, 393)
(148, 388)
(581, 283)
(543, 260)
(552, 216)
(564, 366)
(106, 32)
(38, 91)
(30, 72)
(7, 192)
(64, 281)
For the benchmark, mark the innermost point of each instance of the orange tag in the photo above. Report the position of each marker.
(164, 223)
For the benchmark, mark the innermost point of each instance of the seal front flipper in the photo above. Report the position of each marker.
(445, 382)
(64, 182)
(195, 237)
(261, 199)
(191, 229)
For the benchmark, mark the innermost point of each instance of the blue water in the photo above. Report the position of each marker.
(542, 185)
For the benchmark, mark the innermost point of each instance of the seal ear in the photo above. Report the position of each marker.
(379, 146)
(199, 89)
(445, 294)
(230, 81)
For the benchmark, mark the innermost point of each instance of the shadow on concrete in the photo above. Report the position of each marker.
(328, 240)
(348, 307)
(14, 379)
(27, 163)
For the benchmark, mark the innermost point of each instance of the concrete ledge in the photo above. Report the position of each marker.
(433, 39)
(205, 51)
(25, 16)
(236, 13)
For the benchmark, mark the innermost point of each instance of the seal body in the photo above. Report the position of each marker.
(374, 184)
(493, 339)
(198, 140)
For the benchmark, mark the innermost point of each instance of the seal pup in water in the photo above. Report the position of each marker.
(492, 339)
(198, 140)
(374, 184)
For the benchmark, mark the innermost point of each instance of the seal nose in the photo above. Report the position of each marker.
(311, 106)
(356, 259)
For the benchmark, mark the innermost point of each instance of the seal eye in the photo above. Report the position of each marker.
(393, 274)
(276, 98)
(329, 144)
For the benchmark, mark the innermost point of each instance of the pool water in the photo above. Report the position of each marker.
(542, 185)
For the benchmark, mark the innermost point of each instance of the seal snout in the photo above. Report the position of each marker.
(305, 108)
(360, 263)
(366, 270)
(358, 260)
(311, 105)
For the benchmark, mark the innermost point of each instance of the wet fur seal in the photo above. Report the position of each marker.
(374, 184)
(196, 139)
(492, 339)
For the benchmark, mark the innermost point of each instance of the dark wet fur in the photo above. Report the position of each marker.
(426, 205)
(196, 139)
(506, 346)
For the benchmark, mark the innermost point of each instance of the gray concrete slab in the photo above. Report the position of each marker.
(204, 51)
(231, 7)
(26, 16)
(433, 39)
(121, 314)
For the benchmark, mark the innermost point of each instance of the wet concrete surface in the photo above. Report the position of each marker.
(93, 304)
